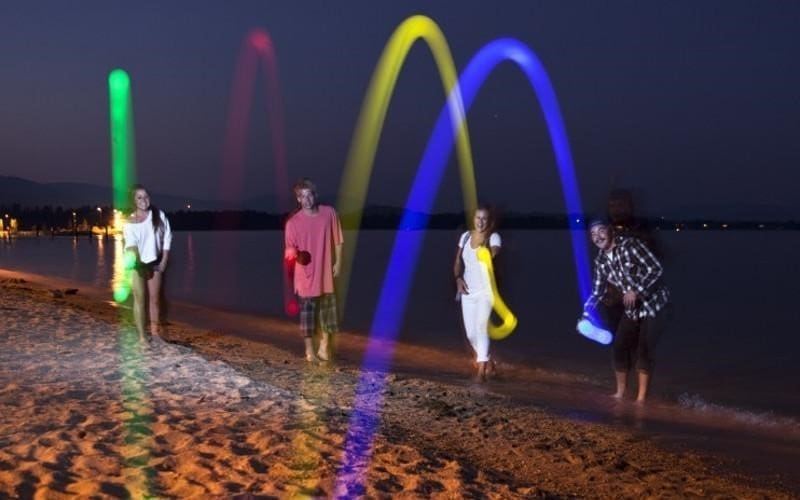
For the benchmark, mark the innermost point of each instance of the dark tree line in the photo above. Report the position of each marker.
(48, 218)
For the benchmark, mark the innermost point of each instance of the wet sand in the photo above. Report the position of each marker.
(88, 410)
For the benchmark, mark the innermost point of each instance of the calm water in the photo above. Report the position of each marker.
(733, 341)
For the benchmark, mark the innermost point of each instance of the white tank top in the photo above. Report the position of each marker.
(475, 274)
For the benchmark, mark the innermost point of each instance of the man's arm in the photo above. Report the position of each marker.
(648, 268)
(649, 264)
(337, 255)
(290, 243)
(599, 286)
(337, 240)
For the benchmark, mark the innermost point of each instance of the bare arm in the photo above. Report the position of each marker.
(641, 258)
(131, 249)
(162, 266)
(599, 287)
(461, 285)
(131, 257)
(337, 254)
(494, 244)
(166, 244)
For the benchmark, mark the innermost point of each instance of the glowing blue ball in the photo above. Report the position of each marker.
(592, 332)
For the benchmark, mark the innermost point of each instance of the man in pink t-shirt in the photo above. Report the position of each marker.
(313, 239)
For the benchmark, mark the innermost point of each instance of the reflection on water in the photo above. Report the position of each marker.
(727, 337)
(188, 277)
(75, 259)
(100, 279)
(120, 280)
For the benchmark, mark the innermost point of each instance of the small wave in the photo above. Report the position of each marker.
(751, 417)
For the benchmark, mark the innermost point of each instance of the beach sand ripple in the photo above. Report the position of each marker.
(89, 411)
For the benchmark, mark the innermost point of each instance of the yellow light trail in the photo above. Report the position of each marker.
(361, 157)
(498, 304)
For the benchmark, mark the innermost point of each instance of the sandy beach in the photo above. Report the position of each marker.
(90, 412)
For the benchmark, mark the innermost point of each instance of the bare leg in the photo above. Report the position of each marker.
(310, 356)
(644, 384)
(622, 384)
(481, 377)
(322, 352)
(139, 296)
(491, 367)
(154, 292)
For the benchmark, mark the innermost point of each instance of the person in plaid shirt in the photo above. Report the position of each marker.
(628, 265)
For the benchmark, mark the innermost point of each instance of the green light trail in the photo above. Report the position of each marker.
(123, 158)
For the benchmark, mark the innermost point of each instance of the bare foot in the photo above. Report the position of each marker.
(618, 395)
(482, 371)
(155, 328)
(491, 370)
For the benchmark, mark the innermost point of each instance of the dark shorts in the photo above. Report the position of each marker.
(146, 270)
(318, 311)
(636, 339)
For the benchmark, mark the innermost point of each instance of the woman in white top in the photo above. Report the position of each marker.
(473, 286)
(148, 236)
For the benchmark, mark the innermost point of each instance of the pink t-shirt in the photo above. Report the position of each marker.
(318, 235)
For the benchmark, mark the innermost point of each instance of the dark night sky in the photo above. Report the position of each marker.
(692, 103)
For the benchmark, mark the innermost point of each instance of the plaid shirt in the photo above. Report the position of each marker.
(632, 266)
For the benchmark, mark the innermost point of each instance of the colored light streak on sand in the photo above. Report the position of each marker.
(139, 475)
(315, 387)
(123, 159)
(397, 280)
(308, 419)
(497, 332)
(137, 442)
(361, 156)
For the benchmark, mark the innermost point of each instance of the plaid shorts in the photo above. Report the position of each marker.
(318, 310)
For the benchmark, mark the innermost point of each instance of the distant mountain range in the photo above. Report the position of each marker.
(27, 193)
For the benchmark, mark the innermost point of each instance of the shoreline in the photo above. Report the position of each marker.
(438, 435)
